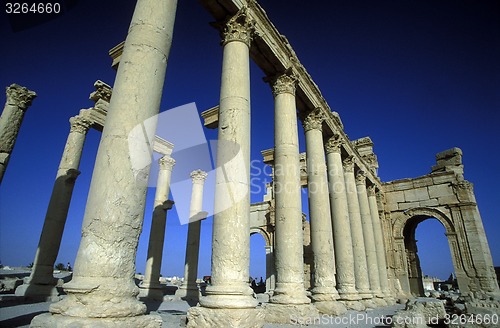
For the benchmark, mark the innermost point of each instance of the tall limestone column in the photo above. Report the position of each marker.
(102, 292)
(289, 295)
(41, 283)
(344, 260)
(189, 289)
(358, 241)
(324, 292)
(379, 242)
(230, 299)
(368, 234)
(19, 99)
(150, 287)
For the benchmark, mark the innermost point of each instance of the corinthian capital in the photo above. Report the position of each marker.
(240, 27)
(371, 190)
(102, 91)
(333, 144)
(283, 83)
(313, 120)
(348, 163)
(166, 162)
(19, 96)
(80, 124)
(361, 177)
(199, 176)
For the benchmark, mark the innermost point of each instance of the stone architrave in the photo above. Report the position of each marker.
(368, 234)
(189, 289)
(344, 260)
(19, 99)
(229, 300)
(324, 292)
(102, 292)
(288, 209)
(41, 283)
(150, 287)
(379, 242)
(358, 242)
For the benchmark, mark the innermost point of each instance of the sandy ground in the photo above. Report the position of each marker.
(15, 314)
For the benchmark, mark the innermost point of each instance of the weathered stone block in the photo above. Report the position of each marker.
(417, 194)
(423, 182)
(290, 314)
(440, 190)
(202, 317)
(406, 206)
(403, 185)
(395, 197)
(430, 202)
(446, 200)
(444, 177)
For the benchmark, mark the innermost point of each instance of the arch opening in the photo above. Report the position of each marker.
(258, 262)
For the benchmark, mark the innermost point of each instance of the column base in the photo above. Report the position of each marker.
(229, 297)
(369, 304)
(153, 294)
(39, 292)
(331, 307)
(379, 301)
(48, 320)
(348, 294)
(324, 294)
(188, 293)
(289, 294)
(290, 314)
(202, 317)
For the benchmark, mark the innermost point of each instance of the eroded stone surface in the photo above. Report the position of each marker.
(200, 317)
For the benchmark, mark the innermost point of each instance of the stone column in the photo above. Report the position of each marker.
(102, 292)
(189, 289)
(18, 100)
(358, 242)
(42, 282)
(288, 205)
(230, 299)
(379, 242)
(150, 287)
(270, 270)
(324, 292)
(344, 259)
(370, 247)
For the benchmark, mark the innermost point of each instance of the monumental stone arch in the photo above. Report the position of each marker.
(445, 195)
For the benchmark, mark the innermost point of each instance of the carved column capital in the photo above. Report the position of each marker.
(19, 96)
(102, 92)
(284, 83)
(333, 144)
(199, 176)
(80, 124)
(348, 163)
(313, 120)
(361, 178)
(240, 27)
(166, 162)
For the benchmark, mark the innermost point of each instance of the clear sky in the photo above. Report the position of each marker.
(418, 77)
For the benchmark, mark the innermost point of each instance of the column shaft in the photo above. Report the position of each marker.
(358, 242)
(231, 230)
(151, 283)
(57, 212)
(344, 259)
(379, 242)
(370, 247)
(18, 100)
(103, 285)
(319, 211)
(189, 289)
(288, 205)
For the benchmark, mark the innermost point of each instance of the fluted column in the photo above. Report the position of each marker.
(231, 231)
(379, 242)
(189, 289)
(358, 242)
(41, 281)
(19, 99)
(367, 223)
(288, 209)
(103, 286)
(344, 259)
(324, 290)
(150, 287)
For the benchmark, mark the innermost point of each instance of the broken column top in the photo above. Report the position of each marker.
(19, 96)
(449, 160)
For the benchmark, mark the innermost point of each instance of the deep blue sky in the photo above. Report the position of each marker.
(418, 77)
